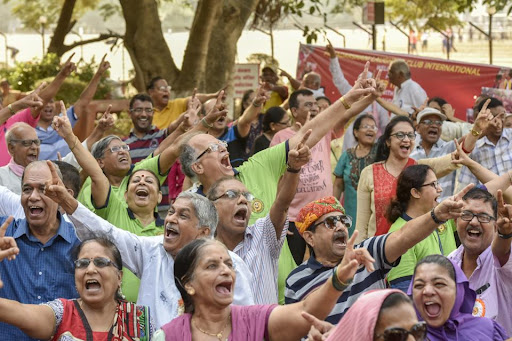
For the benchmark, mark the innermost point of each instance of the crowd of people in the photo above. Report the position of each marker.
(198, 227)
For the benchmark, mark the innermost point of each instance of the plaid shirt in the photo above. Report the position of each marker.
(497, 158)
(440, 148)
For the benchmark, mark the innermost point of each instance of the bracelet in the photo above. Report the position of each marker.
(76, 142)
(475, 133)
(344, 102)
(205, 124)
(463, 149)
(434, 218)
(11, 109)
(256, 106)
(504, 236)
(336, 283)
(292, 170)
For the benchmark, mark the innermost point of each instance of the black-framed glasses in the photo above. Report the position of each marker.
(434, 184)
(287, 123)
(401, 135)
(234, 194)
(213, 147)
(100, 262)
(432, 122)
(116, 149)
(141, 110)
(418, 331)
(481, 217)
(332, 221)
(28, 143)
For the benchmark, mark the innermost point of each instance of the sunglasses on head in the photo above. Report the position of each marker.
(418, 331)
(100, 262)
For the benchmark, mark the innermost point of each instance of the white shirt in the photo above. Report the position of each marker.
(10, 180)
(410, 94)
(148, 260)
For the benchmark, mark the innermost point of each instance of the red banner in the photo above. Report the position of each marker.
(458, 83)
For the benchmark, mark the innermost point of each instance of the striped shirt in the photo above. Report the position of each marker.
(260, 250)
(496, 158)
(440, 148)
(311, 274)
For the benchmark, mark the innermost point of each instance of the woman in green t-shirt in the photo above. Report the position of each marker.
(417, 193)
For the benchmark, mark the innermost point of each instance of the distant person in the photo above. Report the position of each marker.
(275, 120)
(9, 96)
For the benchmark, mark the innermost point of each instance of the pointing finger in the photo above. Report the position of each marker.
(70, 57)
(6, 223)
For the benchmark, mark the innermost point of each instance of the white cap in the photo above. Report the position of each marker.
(429, 111)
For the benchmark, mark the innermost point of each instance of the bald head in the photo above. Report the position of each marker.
(22, 143)
(312, 80)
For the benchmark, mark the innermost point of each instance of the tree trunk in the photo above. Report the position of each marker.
(195, 58)
(64, 25)
(145, 42)
(223, 42)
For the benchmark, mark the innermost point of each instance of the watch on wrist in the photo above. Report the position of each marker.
(504, 236)
(292, 170)
(475, 133)
(435, 219)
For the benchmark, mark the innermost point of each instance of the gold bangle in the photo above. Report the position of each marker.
(76, 142)
(344, 102)
(11, 109)
(475, 133)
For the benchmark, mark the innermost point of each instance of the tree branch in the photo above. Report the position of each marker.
(101, 37)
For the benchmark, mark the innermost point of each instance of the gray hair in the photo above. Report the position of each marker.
(401, 66)
(40, 163)
(98, 149)
(205, 210)
(188, 156)
(9, 136)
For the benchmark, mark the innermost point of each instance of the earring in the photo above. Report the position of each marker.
(191, 292)
(120, 293)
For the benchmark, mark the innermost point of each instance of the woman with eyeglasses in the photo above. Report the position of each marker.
(443, 299)
(99, 314)
(378, 315)
(275, 120)
(377, 184)
(204, 274)
(417, 192)
(352, 162)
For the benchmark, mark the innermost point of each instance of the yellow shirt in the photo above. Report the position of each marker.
(174, 108)
(274, 101)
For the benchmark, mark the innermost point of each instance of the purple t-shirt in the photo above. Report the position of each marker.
(249, 323)
(492, 283)
(21, 116)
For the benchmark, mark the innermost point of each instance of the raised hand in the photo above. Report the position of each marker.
(330, 50)
(104, 65)
(107, 120)
(219, 110)
(32, 100)
(300, 155)
(61, 122)
(193, 107)
(484, 118)
(451, 208)
(459, 156)
(68, 66)
(261, 94)
(380, 85)
(8, 247)
(320, 330)
(362, 87)
(352, 259)
(449, 111)
(54, 188)
(504, 222)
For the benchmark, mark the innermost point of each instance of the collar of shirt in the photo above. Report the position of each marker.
(152, 130)
(404, 84)
(439, 143)
(64, 231)
(506, 134)
(316, 265)
(158, 221)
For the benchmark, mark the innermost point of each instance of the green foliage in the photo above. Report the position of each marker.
(26, 76)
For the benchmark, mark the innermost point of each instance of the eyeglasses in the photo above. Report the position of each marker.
(287, 123)
(431, 123)
(164, 88)
(234, 194)
(100, 262)
(331, 222)
(140, 110)
(481, 217)
(213, 147)
(116, 149)
(28, 143)
(418, 331)
(434, 184)
(369, 127)
(401, 135)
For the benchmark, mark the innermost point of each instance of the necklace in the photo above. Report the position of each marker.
(219, 334)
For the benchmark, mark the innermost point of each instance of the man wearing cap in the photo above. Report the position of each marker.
(278, 93)
(429, 143)
(323, 224)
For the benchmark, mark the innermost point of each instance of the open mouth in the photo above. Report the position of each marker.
(405, 148)
(241, 215)
(171, 231)
(432, 309)
(92, 284)
(433, 132)
(123, 159)
(473, 232)
(225, 161)
(340, 239)
(224, 288)
(142, 192)
(36, 210)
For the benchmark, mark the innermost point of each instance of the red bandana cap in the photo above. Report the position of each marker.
(314, 210)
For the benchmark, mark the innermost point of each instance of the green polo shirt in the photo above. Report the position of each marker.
(443, 238)
(118, 214)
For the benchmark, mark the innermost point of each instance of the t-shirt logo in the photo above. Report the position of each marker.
(257, 206)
